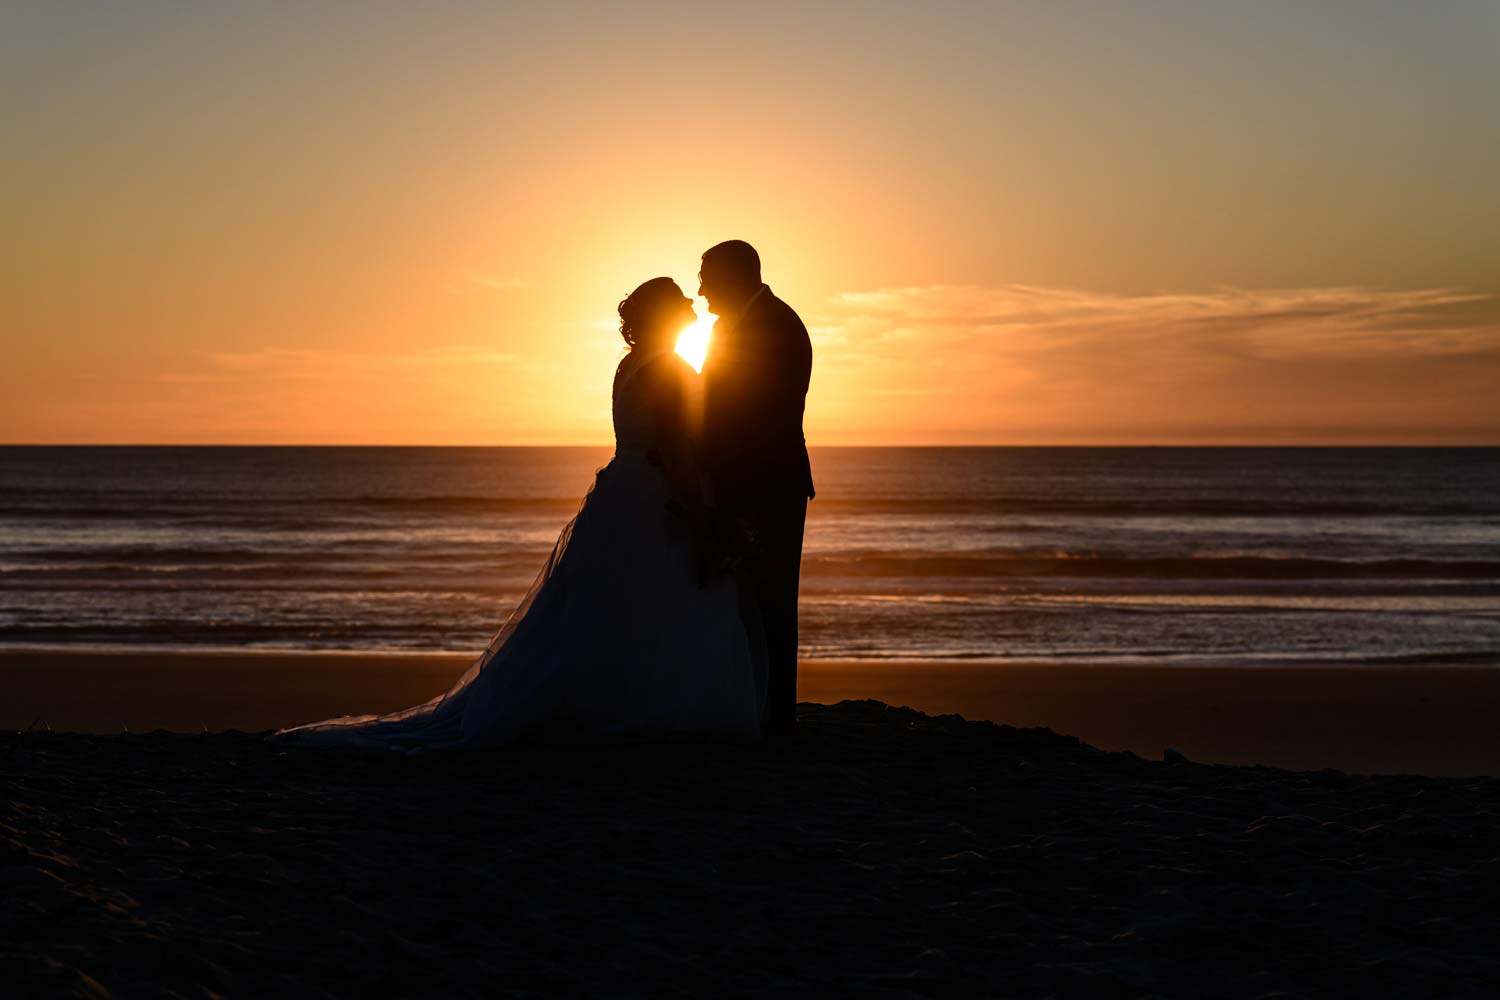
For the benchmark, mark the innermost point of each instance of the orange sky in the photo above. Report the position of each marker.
(1002, 224)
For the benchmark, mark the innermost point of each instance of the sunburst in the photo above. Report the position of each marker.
(692, 343)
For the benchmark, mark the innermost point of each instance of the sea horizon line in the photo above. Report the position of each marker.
(1181, 445)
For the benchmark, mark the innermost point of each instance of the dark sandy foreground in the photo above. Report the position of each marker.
(1428, 719)
(883, 853)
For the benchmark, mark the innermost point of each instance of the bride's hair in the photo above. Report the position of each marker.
(644, 306)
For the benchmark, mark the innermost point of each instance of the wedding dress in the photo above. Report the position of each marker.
(614, 641)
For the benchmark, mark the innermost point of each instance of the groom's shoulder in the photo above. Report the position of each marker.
(782, 315)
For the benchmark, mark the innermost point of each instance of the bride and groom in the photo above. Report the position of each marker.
(668, 607)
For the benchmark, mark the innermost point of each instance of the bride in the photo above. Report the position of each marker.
(616, 639)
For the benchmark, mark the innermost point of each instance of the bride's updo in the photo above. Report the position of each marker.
(656, 307)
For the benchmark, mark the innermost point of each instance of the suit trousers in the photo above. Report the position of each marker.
(771, 575)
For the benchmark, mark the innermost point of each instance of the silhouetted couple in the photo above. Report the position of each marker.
(668, 607)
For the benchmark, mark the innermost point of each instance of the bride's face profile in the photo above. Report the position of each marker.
(671, 318)
(655, 313)
(680, 318)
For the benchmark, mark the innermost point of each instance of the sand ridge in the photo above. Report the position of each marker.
(884, 852)
(1429, 719)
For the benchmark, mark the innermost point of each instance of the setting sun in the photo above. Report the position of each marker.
(692, 343)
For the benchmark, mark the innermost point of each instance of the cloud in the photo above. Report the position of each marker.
(294, 364)
(450, 394)
(1279, 322)
(970, 357)
(997, 364)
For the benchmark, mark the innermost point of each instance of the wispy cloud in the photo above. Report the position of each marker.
(1013, 355)
(293, 364)
(455, 393)
(1270, 323)
(976, 363)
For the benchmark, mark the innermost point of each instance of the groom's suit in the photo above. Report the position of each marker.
(755, 386)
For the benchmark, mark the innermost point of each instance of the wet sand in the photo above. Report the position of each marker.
(1429, 720)
(881, 853)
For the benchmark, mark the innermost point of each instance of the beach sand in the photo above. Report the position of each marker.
(1427, 720)
(881, 853)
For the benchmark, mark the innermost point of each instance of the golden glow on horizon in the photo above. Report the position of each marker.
(692, 343)
(231, 236)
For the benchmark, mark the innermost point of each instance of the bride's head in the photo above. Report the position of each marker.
(654, 314)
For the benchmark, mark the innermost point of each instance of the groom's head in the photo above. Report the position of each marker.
(729, 276)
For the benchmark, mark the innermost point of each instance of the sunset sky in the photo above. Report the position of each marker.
(1002, 223)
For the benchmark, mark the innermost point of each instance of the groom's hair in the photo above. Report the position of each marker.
(735, 257)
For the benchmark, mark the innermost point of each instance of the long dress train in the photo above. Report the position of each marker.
(615, 640)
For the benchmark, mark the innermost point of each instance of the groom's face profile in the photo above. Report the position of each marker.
(728, 276)
(714, 289)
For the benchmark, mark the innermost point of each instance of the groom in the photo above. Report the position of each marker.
(754, 387)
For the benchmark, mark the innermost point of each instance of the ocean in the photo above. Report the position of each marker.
(1198, 555)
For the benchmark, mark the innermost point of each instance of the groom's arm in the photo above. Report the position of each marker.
(785, 373)
(753, 411)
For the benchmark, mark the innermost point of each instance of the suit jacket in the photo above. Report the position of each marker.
(754, 391)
